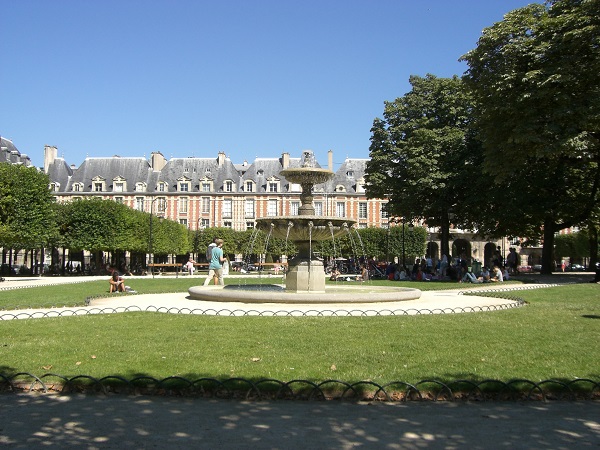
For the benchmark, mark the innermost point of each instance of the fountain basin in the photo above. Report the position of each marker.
(323, 227)
(275, 293)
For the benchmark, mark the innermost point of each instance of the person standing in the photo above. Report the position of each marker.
(216, 262)
(211, 272)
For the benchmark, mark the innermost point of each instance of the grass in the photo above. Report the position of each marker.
(554, 337)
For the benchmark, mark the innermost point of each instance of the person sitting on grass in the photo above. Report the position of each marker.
(335, 273)
(469, 277)
(116, 283)
(497, 275)
(485, 275)
(364, 274)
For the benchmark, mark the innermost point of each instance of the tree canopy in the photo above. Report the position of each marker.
(422, 154)
(535, 79)
(26, 212)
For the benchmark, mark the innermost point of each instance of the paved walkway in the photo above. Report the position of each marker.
(431, 302)
(30, 421)
(114, 422)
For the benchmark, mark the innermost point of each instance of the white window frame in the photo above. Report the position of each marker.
(363, 208)
(249, 209)
(205, 205)
(318, 208)
(183, 205)
(294, 208)
(139, 203)
(272, 208)
(227, 212)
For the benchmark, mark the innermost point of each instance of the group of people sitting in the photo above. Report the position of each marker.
(424, 270)
(337, 275)
(495, 276)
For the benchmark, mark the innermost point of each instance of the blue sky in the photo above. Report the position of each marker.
(192, 78)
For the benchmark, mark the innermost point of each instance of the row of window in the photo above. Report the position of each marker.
(249, 207)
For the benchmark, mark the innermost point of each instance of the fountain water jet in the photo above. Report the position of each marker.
(305, 279)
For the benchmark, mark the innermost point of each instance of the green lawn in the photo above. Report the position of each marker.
(555, 336)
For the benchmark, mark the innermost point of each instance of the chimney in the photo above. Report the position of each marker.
(50, 154)
(330, 160)
(285, 160)
(221, 159)
(157, 161)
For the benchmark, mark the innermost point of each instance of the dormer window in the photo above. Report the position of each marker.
(98, 184)
(54, 187)
(273, 185)
(183, 184)
(249, 186)
(260, 172)
(340, 188)
(228, 186)
(350, 174)
(162, 187)
(360, 185)
(77, 187)
(119, 184)
(206, 184)
(140, 187)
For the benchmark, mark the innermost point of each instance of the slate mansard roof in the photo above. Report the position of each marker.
(10, 154)
(192, 170)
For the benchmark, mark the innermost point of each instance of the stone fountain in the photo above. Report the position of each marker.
(305, 278)
(305, 272)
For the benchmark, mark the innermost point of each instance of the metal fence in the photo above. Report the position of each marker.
(272, 389)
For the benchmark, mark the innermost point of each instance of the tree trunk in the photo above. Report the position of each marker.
(548, 248)
(593, 244)
(445, 235)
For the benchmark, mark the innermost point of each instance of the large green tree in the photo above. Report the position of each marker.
(422, 153)
(26, 212)
(535, 78)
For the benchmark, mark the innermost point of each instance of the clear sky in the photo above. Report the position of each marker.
(195, 77)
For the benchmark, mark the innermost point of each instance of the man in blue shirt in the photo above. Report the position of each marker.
(216, 262)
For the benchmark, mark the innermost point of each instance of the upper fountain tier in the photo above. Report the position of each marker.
(306, 226)
(307, 175)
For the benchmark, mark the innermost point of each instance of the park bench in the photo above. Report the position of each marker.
(165, 266)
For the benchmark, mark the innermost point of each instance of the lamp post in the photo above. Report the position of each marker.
(150, 249)
(403, 244)
(396, 221)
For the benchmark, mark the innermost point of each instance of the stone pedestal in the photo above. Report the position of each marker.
(305, 275)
